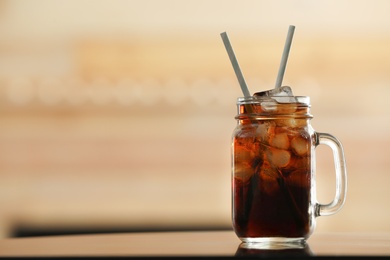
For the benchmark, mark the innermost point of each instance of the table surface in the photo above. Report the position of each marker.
(194, 243)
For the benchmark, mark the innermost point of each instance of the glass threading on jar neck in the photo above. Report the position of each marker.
(268, 108)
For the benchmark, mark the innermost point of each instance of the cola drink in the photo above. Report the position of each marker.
(273, 163)
(272, 169)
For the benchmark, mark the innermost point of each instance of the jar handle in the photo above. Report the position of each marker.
(341, 175)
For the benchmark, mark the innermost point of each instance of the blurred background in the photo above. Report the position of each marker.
(117, 115)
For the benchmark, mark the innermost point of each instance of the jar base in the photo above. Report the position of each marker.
(273, 242)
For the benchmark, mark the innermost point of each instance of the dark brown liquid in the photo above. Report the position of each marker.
(272, 179)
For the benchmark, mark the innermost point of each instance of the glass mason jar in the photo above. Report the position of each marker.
(273, 170)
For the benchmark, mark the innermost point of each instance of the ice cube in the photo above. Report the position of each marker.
(300, 145)
(265, 130)
(280, 141)
(281, 95)
(243, 172)
(269, 179)
(243, 163)
(278, 157)
(301, 163)
(276, 92)
(292, 122)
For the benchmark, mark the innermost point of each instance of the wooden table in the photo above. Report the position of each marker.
(197, 243)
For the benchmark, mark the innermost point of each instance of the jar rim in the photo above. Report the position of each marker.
(305, 100)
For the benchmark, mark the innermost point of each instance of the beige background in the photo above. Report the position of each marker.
(118, 114)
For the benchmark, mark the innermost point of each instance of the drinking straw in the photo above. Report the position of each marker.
(235, 65)
(283, 61)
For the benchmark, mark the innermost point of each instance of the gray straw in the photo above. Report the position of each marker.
(283, 61)
(236, 67)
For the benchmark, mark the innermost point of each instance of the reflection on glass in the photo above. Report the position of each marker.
(274, 250)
